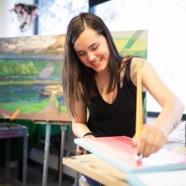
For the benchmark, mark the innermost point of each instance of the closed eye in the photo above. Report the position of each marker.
(94, 46)
(80, 53)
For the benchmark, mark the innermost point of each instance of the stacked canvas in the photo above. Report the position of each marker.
(120, 152)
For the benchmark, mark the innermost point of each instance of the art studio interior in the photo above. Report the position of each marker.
(38, 146)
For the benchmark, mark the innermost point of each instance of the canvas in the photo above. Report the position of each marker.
(120, 152)
(30, 76)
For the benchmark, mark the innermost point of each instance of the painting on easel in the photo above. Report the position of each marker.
(30, 73)
(132, 42)
(31, 77)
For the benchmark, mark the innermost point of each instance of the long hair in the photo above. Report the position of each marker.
(78, 80)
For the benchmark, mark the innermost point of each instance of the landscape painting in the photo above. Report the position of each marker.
(31, 74)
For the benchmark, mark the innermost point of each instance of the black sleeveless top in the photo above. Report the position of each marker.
(117, 118)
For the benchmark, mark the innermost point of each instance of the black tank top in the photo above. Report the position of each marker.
(117, 118)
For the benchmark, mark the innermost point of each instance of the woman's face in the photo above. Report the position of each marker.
(92, 49)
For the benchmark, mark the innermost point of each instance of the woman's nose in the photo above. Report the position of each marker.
(91, 56)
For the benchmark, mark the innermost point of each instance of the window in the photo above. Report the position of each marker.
(56, 14)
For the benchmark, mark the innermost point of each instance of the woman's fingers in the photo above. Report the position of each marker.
(150, 141)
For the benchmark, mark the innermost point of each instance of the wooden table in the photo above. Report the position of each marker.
(97, 169)
(102, 171)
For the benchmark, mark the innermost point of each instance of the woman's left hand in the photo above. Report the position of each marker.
(150, 140)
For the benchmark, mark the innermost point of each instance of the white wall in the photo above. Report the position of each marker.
(166, 49)
(166, 24)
